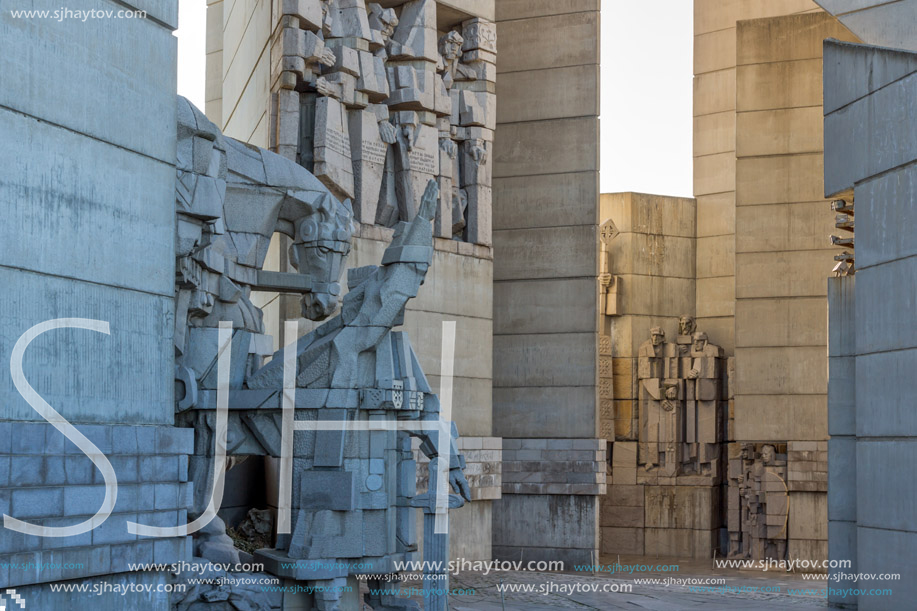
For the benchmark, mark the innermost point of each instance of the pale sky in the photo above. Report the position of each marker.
(647, 69)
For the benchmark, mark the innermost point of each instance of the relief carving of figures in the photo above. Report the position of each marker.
(680, 403)
(758, 503)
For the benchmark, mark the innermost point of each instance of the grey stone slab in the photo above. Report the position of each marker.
(544, 306)
(103, 90)
(879, 128)
(80, 372)
(842, 409)
(842, 316)
(114, 530)
(852, 71)
(888, 25)
(556, 146)
(548, 42)
(37, 502)
(563, 359)
(886, 551)
(883, 292)
(171, 440)
(530, 411)
(884, 205)
(842, 479)
(557, 252)
(555, 200)
(882, 501)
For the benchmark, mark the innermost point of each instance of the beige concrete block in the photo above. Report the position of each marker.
(547, 253)
(779, 132)
(652, 255)
(625, 378)
(715, 92)
(522, 9)
(625, 426)
(798, 226)
(567, 359)
(715, 174)
(213, 87)
(546, 201)
(716, 214)
(716, 296)
(649, 214)
(624, 476)
(711, 15)
(456, 285)
(679, 542)
(714, 133)
(621, 516)
(214, 111)
(681, 507)
(546, 147)
(548, 42)
(783, 274)
(247, 29)
(628, 496)
(555, 412)
(472, 342)
(714, 50)
(782, 322)
(808, 515)
(622, 541)
(624, 455)
(573, 92)
(241, 115)
(779, 180)
(720, 330)
(715, 256)
(452, 12)
(784, 417)
(664, 297)
(781, 370)
(214, 31)
(779, 85)
(786, 38)
(809, 549)
(544, 306)
(472, 403)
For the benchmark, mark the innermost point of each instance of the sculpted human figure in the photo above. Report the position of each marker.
(764, 505)
(659, 399)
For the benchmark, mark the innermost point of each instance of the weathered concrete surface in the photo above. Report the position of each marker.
(872, 348)
(878, 22)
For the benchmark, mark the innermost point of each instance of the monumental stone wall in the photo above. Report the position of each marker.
(89, 232)
(871, 162)
(545, 265)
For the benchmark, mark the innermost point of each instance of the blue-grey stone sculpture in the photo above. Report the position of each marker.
(354, 494)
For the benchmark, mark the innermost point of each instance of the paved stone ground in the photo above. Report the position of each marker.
(656, 597)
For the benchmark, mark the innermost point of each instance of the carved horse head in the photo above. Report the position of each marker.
(321, 243)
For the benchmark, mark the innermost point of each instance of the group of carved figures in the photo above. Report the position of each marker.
(680, 393)
(377, 103)
(681, 435)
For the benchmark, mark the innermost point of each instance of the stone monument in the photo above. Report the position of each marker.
(758, 503)
(353, 485)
